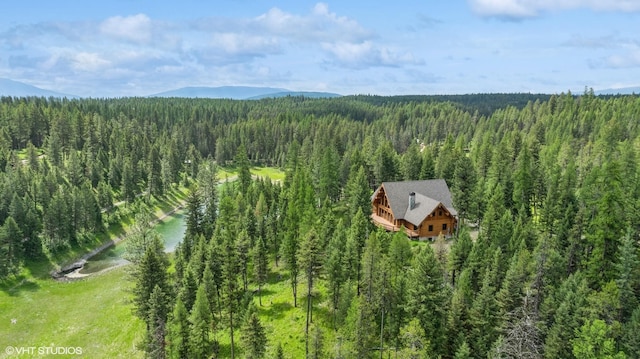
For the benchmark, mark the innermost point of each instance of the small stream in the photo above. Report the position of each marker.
(171, 230)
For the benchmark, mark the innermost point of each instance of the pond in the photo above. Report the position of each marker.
(171, 230)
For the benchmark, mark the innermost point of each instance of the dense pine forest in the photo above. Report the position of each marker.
(545, 263)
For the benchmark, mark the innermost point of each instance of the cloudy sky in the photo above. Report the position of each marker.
(141, 47)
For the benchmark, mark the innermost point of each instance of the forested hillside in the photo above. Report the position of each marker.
(551, 187)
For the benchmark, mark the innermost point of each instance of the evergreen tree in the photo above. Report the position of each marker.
(194, 214)
(200, 326)
(253, 336)
(141, 237)
(310, 261)
(150, 272)
(483, 315)
(244, 174)
(10, 248)
(260, 265)
(178, 332)
(463, 186)
(357, 192)
(427, 297)
(460, 251)
(230, 281)
(463, 351)
(156, 324)
(630, 341)
(411, 163)
(334, 269)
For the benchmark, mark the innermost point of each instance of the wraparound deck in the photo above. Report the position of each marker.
(382, 222)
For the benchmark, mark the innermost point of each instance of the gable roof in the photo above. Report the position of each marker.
(429, 194)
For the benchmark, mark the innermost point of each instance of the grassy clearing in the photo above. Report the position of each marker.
(93, 314)
(275, 174)
(284, 323)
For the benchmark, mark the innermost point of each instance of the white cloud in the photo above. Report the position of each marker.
(136, 28)
(366, 54)
(239, 44)
(84, 61)
(320, 25)
(531, 8)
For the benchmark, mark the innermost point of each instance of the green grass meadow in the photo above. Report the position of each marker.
(93, 314)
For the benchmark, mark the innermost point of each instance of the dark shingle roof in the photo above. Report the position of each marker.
(429, 193)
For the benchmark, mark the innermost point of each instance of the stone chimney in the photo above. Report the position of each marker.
(412, 200)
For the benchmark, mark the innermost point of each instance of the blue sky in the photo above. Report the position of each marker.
(141, 47)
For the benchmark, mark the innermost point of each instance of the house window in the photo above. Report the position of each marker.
(431, 228)
(444, 226)
(439, 213)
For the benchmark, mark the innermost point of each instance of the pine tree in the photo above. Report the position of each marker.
(230, 286)
(253, 336)
(178, 332)
(200, 326)
(242, 162)
(310, 261)
(356, 236)
(427, 297)
(357, 192)
(566, 317)
(460, 251)
(194, 214)
(156, 324)
(334, 269)
(463, 351)
(630, 341)
(411, 163)
(10, 248)
(462, 189)
(150, 272)
(260, 265)
(484, 316)
(628, 278)
(141, 236)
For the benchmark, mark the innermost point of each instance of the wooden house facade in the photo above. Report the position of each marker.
(422, 209)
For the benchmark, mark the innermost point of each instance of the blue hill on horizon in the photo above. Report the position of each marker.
(239, 93)
(20, 89)
(619, 91)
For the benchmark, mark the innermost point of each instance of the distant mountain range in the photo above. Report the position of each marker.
(620, 91)
(20, 89)
(240, 93)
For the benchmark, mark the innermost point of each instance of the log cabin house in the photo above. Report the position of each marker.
(422, 209)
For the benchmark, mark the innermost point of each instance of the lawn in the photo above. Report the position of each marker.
(274, 173)
(284, 323)
(93, 314)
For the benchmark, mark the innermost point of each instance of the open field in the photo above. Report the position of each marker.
(93, 314)
(275, 174)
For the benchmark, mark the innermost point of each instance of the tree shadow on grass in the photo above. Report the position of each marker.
(14, 286)
(274, 310)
